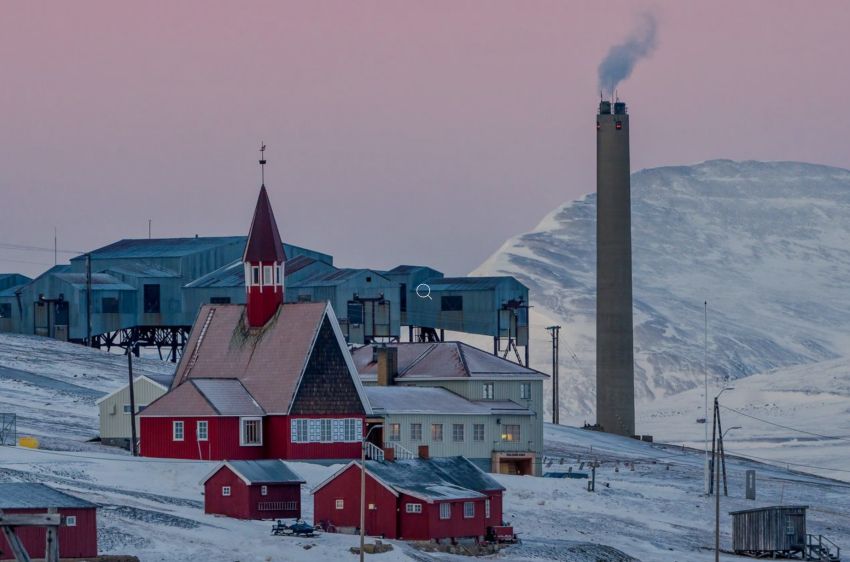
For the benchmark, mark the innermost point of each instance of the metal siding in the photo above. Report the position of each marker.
(74, 542)
(455, 527)
(237, 504)
(117, 425)
(223, 442)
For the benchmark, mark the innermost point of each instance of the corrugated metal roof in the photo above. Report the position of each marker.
(161, 247)
(338, 277)
(769, 508)
(265, 472)
(446, 478)
(10, 292)
(99, 281)
(444, 360)
(163, 379)
(406, 269)
(230, 275)
(28, 495)
(434, 400)
(228, 397)
(142, 269)
(469, 283)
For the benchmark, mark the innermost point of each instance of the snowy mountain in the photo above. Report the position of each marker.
(767, 244)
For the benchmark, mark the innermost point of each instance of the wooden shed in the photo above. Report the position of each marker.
(77, 533)
(769, 531)
(264, 489)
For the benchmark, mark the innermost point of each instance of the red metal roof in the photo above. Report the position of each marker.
(264, 243)
(268, 361)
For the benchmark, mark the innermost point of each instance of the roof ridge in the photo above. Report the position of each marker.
(462, 356)
(418, 359)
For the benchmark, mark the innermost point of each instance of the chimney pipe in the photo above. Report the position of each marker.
(423, 452)
(387, 365)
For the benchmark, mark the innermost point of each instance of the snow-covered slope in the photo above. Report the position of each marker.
(767, 244)
(44, 380)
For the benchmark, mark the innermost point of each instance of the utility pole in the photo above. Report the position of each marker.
(55, 246)
(706, 473)
(717, 501)
(149, 229)
(132, 402)
(88, 300)
(556, 406)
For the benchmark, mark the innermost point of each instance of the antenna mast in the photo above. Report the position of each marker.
(262, 163)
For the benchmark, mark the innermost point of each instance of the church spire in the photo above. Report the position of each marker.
(264, 261)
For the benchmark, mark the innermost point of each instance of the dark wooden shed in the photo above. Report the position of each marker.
(769, 531)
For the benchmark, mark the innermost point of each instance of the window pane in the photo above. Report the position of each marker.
(468, 510)
(478, 432)
(510, 432)
(395, 432)
(445, 511)
(151, 299)
(457, 432)
(267, 275)
(437, 432)
(109, 305)
(416, 432)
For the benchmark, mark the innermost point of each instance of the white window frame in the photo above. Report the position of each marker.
(458, 436)
(468, 510)
(225, 491)
(268, 276)
(395, 432)
(488, 391)
(445, 510)
(71, 521)
(174, 433)
(514, 437)
(339, 504)
(525, 390)
(278, 273)
(264, 490)
(417, 434)
(487, 509)
(434, 437)
(326, 430)
(243, 425)
(126, 409)
(255, 275)
(413, 508)
(476, 436)
(206, 433)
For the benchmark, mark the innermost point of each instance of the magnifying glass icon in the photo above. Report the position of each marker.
(423, 291)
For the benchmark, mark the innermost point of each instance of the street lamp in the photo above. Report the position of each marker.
(363, 487)
(717, 494)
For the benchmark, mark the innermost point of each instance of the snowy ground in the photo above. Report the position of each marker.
(153, 508)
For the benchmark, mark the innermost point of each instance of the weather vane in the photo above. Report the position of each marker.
(263, 162)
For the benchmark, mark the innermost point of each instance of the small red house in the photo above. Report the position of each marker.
(265, 380)
(266, 489)
(415, 499)
(77, 534)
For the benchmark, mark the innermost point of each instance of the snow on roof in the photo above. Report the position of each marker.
(446, 478)
(431, 400)
(270, 471)
(142, 269)
(99, 281)
(442, 360)
(27, 495)
(228, 397)
(161, 247)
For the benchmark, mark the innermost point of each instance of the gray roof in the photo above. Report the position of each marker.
(265, 472)
(162, 378)
(446, 478)
(338, 277)
(470, 283)
(407, 269)
(431, 400)
(228, 397)
(444, 360)
(162, 247)
(27, 495)
(142, 269)
(99, 281)
(770, 508)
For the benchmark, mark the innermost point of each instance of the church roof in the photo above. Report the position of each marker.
(264, 243)
(259, 369)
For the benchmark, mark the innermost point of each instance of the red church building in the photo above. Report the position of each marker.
(264, 380)
(265, 489)
(413, 499)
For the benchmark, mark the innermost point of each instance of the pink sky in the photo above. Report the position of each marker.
(398, 132)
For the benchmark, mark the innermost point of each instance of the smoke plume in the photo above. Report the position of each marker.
(621, 59)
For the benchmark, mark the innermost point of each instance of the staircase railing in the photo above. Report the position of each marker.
(373, 452)
(401, 453)
(818, 547)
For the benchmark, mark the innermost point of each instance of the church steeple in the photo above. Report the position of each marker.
(264, 261)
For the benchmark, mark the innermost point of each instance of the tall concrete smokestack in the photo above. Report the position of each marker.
(615, 369)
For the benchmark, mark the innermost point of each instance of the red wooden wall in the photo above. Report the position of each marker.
(380, 521)
(74, 542)
(243, 502)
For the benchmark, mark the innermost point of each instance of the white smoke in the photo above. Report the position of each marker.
(621, 59)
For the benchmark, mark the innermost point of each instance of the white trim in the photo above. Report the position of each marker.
(182, 430)
(243, 419)
(71, 521)
(226, 491)
(126, 386)
(352, 370)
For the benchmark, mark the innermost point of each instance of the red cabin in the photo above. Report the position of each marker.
(264, 380)
(416, 499)
(266, 489)
(77, 534)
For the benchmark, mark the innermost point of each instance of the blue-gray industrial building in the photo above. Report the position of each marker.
(147, 292)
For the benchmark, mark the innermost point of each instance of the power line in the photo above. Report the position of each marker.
(25, 248)
(837, 437)
(774, 461)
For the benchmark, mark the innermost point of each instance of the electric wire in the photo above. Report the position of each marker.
(837, 437)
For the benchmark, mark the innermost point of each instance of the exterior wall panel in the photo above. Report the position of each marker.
(79, 541)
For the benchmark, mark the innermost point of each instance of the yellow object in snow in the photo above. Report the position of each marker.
(28, 442)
